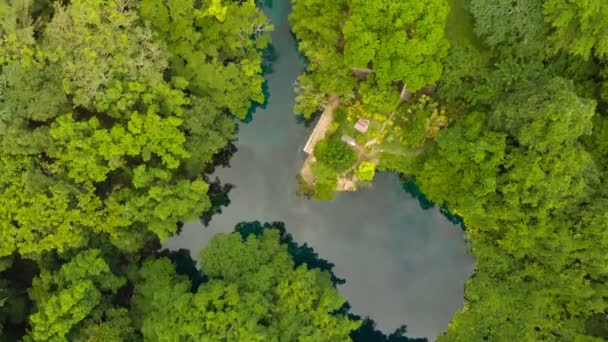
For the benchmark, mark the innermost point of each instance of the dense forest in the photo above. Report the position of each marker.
(112, 113)
(520, 154)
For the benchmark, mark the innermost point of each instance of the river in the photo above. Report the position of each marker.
(402, 264)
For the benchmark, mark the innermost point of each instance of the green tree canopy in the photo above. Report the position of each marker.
(366, 48)
(103, 133)
(335, 154)
(578, 27)
(64, 298)
(211, 46)
(399, 41)
(253, 293)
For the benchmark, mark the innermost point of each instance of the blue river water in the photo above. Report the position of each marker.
(402, 264)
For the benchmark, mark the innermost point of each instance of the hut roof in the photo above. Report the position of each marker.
(362, 125)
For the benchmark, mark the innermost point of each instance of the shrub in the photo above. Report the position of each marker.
(366, 171)
(335, 154)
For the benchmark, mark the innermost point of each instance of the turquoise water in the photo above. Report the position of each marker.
(402, 264)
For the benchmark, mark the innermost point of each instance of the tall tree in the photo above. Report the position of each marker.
(98, 137)
(64, 298)
(578, 27)
(254, 293)
(211, 46)
(376, 44)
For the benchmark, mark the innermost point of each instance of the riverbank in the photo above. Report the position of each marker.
(318, 134)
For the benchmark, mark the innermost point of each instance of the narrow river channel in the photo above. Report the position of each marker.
(402, 264)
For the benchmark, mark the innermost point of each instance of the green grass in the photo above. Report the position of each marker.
(348, 127)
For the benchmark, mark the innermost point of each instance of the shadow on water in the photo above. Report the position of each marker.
(218, 191)
(398, 263)
(269, 56)
(410, 186)
(302, 254)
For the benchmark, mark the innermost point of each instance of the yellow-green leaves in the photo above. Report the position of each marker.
(253, 294)
(95, 142)
(67, 296)
(216, 46)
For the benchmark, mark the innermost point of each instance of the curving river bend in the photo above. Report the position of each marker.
(402, 264)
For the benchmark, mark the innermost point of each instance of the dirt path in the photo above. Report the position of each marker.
(318, 133)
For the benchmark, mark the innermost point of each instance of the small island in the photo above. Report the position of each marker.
(350, 141)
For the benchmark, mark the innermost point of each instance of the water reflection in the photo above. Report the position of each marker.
(401, 264)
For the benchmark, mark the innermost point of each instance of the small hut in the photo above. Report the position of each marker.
(362, 125)
(349, 140)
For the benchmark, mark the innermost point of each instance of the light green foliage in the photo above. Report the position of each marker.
(15, 20)
(335, 154)
(578, 27)
(325, 182)
(253, 294)
(379, 42)
(316, 23)
(366, 171)
(403, 41)
(211, 46)
(332, 158)
(410, 124)
(92, 137)
(66, 297)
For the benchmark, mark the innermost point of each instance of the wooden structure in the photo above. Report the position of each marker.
(349, 140)
(405, 95)
(362, 125)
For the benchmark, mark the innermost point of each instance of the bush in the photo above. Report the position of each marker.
(335, 154)
(366, 171)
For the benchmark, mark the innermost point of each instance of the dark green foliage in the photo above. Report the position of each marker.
(218, 196)
(254, 292)
(301, 254)
(335, 155)
(513, 27)
(516, 170)
(413, 189)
